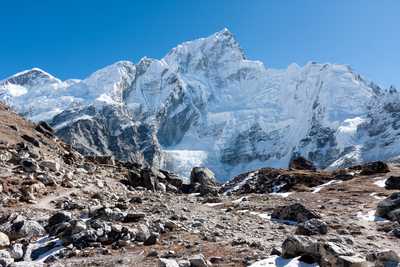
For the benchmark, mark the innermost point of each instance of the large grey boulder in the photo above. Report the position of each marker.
(202, 180)
(295, 246)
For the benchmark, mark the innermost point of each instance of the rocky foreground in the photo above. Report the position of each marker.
(59, 208)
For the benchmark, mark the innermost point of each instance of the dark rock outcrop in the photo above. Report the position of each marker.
(300, 163)
(294, 212)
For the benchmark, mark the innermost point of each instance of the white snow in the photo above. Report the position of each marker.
(281, 262)
(283, 194)
(370, 216)
(376, 196)
(318, 188)
(380, 183)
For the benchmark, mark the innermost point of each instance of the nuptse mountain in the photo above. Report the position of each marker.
(204, 103)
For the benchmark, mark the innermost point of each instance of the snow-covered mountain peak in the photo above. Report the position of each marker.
(31, 77)
(219, 48)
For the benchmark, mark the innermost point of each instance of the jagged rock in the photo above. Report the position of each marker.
(198, 261)
(143, 233)
(203, 176)
(294, 212)
(31, 140)
(4, 240)
(312, 227)
(59, 217)
(134, 217)
(371, 168)
(300, 163)
(51, 165)
(153, 238)
(16, 251)
(270, 180)
(202, 180)
(295, 246)
(29, 165)
(105, 160)
(393, 183)
(388, 205)
(395, 232)
(143, 178)
(24, 228)
(44, 128)
(167, 263)
(330, 252)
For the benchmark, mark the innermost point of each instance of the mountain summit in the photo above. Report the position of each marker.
(204, 103)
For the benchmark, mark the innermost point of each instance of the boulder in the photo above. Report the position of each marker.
(202, 180)
(142, 233)
(51, 165)
(16, 251)
(142, 178)
(370, 168)
(300, 163)
(295, 246)
(203, 176)
(29, 165)
(24, 229)
(330, 252)
(59, 217)
(388, 205)
(393, 183)
(294, 212)
(312, 227)
(4, 240)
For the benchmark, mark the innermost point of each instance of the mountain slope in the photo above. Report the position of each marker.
(205, 103)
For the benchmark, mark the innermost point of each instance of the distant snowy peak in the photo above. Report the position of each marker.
(32, 77)
(106, 85)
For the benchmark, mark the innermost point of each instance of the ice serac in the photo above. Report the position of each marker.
(206, 104)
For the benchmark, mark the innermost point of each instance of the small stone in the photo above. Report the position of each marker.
(51, 165)
(4, 240)
(16, 251)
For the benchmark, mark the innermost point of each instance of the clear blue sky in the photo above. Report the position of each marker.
(71, 38)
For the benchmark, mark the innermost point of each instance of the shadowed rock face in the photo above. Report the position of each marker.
(109, 131)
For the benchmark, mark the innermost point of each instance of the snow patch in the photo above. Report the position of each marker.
(318, 188)
(281, 262)
(370, 216)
